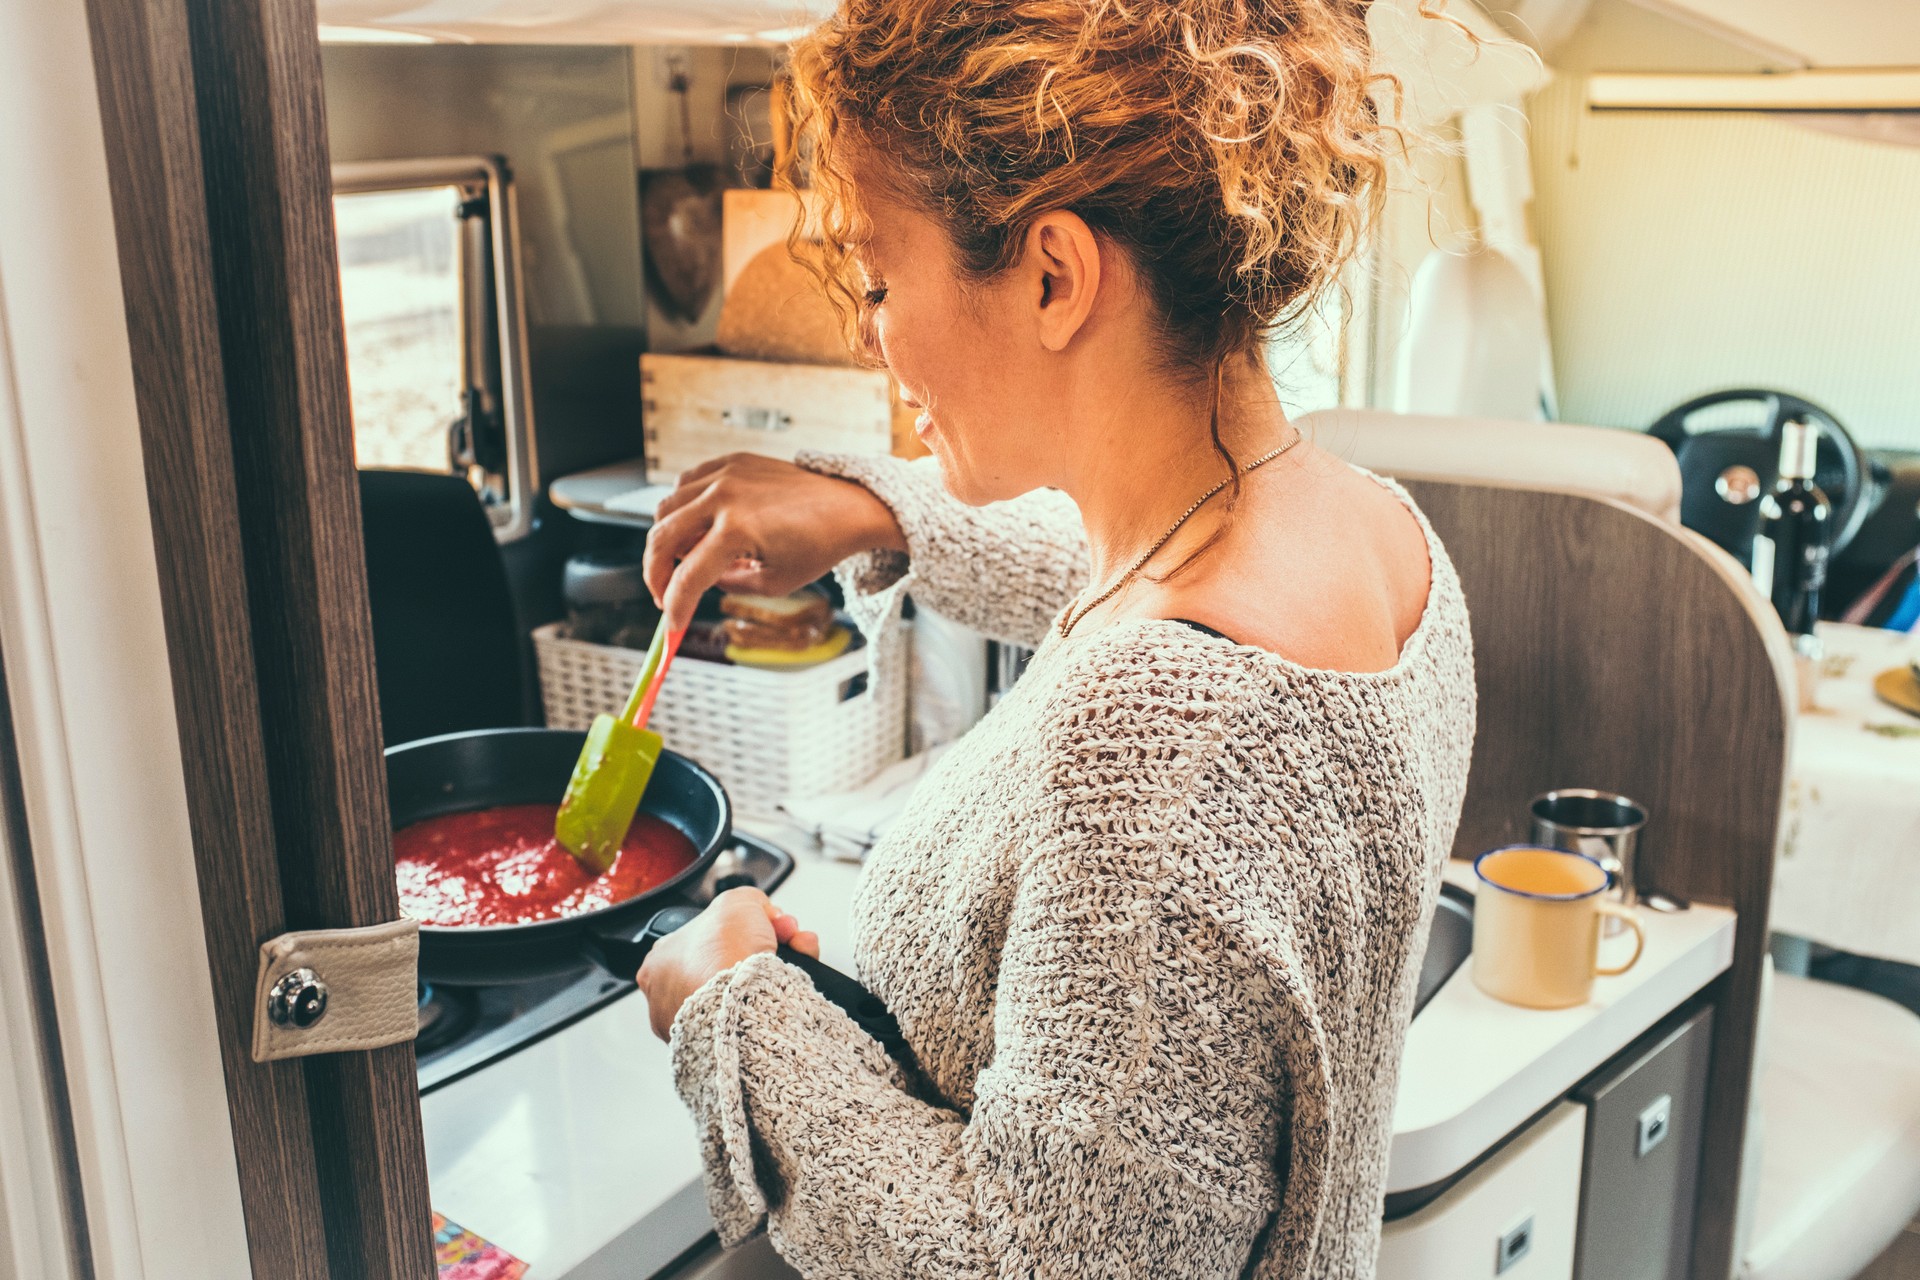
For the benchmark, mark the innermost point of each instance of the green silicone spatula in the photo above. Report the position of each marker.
(615, 766)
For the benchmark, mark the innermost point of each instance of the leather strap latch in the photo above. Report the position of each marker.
(336, 991)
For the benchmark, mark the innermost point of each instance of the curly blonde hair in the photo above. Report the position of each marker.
(1232, 148)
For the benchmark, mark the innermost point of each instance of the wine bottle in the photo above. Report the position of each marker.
(1796, 530)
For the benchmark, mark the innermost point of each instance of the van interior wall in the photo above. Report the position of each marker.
(1686, 252)
(564, 119)
(563, 116)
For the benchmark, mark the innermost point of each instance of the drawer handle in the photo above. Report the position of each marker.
(1516, 1242)
(748, 417)
(1650, 1130)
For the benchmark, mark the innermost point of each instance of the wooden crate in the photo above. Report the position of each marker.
(697, 407)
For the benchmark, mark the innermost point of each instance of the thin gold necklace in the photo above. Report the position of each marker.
(1073, 616)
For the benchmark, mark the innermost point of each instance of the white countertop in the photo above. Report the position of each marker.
(576, 1155)
(1476, 1068)
(578, 1146)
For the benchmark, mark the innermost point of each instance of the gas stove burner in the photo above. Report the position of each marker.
(446, 1014)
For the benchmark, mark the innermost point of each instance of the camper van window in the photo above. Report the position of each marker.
(435, 343)
(400, 295)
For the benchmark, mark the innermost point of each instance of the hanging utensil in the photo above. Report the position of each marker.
(680, 220)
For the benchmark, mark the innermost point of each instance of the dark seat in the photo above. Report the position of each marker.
(448, 649)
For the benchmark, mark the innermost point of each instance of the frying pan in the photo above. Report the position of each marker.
(461, 772)
(481, 768)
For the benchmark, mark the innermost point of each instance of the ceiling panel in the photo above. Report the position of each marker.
(1829, 33)
(571, 21)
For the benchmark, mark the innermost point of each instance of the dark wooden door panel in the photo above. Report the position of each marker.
(223, 207)
(262, 111)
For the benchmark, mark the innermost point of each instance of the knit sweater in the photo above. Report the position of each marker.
(1153, 929)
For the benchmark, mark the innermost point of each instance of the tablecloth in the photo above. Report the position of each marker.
(1849, 868)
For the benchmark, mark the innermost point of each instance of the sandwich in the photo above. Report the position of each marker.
(782, 631)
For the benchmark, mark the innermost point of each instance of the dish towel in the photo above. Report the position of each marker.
(848, 823)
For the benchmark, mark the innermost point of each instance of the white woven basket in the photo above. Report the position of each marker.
(766, 734)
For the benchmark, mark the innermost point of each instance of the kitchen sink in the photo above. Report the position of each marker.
(1449, 942)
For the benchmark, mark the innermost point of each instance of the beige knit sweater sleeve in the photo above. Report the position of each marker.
(807, 1125)
(1032, 549)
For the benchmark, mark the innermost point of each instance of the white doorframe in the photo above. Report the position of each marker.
(81, 628)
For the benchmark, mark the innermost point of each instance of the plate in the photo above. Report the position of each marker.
(1899, 687)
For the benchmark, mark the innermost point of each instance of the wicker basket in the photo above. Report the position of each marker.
(766, 734)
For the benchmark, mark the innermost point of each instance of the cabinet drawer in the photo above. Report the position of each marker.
(1514, 1217)
(1645, 1117)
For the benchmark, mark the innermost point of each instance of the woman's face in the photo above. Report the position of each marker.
(964, 352)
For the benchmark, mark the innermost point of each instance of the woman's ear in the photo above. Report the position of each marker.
(1063, 258)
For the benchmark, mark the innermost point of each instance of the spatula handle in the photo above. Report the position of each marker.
(645, 712)
(656, 649)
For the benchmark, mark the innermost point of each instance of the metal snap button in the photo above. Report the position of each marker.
(297, 1000)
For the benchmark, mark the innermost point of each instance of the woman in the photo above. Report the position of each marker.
(1153, 927)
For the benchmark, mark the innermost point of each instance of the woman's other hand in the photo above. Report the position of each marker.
(737, 924)
(747, 523)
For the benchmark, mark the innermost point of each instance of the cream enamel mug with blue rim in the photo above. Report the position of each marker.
(1536, 926)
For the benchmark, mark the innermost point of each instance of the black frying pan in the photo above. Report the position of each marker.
(486, 767)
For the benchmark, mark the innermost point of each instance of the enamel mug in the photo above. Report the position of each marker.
(1599, 824)
(1536, 926)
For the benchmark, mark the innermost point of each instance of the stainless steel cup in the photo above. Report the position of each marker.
(1600, 824)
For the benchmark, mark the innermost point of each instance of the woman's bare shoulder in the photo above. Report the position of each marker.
(1330, 570)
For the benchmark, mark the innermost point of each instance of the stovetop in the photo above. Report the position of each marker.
(463, 1029)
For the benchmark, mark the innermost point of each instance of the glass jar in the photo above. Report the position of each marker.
(607, 599)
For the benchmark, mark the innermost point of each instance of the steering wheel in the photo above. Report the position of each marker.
(1726, 467)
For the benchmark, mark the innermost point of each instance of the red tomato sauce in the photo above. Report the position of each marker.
(503, 866)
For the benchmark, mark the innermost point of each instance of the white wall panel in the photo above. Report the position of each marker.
(92, 693)
(1687, 252)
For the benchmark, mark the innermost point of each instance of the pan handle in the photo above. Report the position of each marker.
(621, 953)
(623, 956)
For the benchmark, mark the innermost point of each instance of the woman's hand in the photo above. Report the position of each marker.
(737, 924)
(748, 523)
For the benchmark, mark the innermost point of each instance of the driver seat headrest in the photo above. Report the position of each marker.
(1602, 462)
